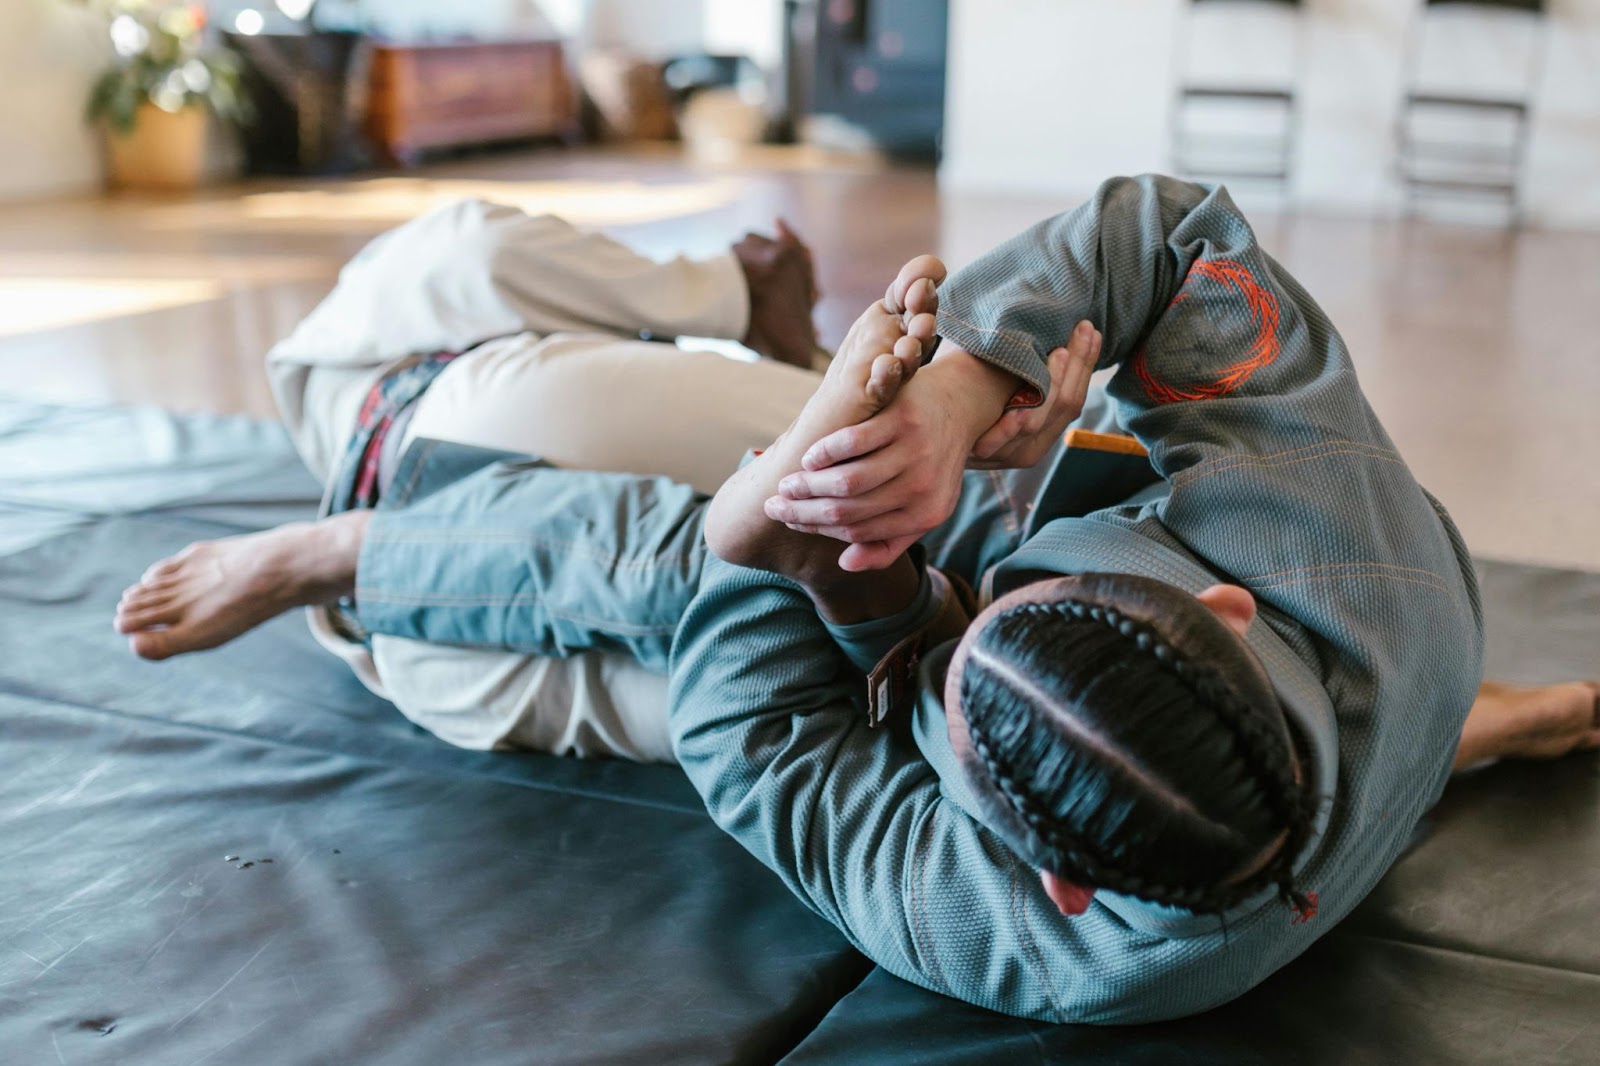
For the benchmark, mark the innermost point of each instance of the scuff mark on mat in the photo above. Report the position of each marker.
(225, 984)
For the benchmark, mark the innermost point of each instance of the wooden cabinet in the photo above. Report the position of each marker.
(443, 95)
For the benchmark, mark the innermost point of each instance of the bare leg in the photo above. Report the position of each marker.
(1513, 722)
(214, 591)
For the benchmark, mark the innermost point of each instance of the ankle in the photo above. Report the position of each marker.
(327, 554)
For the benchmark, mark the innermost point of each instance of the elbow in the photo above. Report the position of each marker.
(1135, 987)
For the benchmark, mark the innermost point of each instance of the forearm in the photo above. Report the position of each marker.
(844, 599)
(777, 743)
(1279, 474)
(1192, 310)
(984, 388)
(1117, 261)
(739, 532)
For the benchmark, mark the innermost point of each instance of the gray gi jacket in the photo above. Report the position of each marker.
(1277, 477)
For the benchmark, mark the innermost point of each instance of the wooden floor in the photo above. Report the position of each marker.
(1478, 348)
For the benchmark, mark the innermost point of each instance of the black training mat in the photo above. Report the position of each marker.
(389, 899)
(1481, 946)
(244, 857)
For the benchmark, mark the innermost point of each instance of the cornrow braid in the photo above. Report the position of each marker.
(1089, 867)
(1141, 658)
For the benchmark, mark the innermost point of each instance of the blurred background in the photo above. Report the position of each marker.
(1343, 104)
(182, 181)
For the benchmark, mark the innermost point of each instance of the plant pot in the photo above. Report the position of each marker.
(164, 150)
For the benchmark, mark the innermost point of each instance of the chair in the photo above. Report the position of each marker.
(1451, 155)
(1257, 138)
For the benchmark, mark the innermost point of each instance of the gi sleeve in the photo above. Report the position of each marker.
(769, 724)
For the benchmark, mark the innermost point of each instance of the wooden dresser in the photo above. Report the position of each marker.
(440, 95)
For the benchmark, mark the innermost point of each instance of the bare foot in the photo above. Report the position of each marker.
(881, 352)
(1513, 722)
(214, 591)
(781, 275)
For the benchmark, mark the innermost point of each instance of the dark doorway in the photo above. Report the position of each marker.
(878, 65)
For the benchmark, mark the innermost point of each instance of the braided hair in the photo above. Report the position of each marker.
(1121, 736)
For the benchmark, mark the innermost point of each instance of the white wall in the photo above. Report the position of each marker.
(1050, 96)
(746, 27)
(50, 56)
(650, 29)
(1564, 170)
(419, 19)
(656, 29)
(653, 29)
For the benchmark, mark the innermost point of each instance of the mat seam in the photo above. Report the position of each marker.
(363, 758)
(1423, 945)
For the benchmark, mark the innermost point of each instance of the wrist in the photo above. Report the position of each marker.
(981, 388)
(844, 598)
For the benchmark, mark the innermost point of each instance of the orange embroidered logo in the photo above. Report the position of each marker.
(1264, 347)
(1306, 911)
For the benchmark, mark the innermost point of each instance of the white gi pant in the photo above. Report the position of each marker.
(546, 315)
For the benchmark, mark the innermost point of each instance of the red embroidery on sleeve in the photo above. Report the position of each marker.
(1264, 347)
(1304, 914)
(1025, 396)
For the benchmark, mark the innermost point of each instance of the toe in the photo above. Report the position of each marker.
(876, 316)
(923, 298)
(144, 597)
(164, 570)
(908, 350)
(923, 267)
(887, 372)
(874, 334)
(885, 332)
(154, 645)
(170, 567)
(133, 620)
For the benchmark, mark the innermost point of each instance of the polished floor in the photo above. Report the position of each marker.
(1478, 347)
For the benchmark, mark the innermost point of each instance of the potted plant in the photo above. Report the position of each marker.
(156, 100)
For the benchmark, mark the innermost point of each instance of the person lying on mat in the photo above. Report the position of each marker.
(1168, 755)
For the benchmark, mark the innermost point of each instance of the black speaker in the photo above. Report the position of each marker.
(309, 92)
